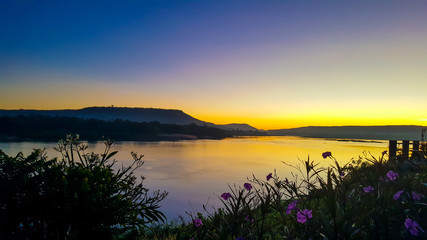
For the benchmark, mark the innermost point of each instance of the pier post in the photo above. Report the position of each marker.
(416, 150)
(392, 149)
(416, 146)
(405, 150)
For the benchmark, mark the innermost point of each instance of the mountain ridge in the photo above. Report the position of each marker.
(135, 114)
(169, 116)
(237, 126)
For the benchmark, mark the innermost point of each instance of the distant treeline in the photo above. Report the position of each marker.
(48, 128)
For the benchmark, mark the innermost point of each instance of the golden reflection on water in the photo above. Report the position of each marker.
(194, 172)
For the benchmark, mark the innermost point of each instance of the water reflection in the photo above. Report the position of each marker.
(196, 172)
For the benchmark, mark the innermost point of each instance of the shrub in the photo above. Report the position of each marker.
(79, 196)
(370, 198)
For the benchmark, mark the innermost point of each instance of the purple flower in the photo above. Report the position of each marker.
(248, 186)
(247, 218)
(417, 196)
(198, 222)
(397, 195)
(326, 154)
(240, 238)
(269, 176)
(392, 175)
(368, 189)
(413, 227)
(384, 152)
(307, 213)
(342, 174)
(226, 196)
(303, 215)
(286, 181)
(292, 206)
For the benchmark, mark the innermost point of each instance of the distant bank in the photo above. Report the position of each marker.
(403, 132)
(151, 124)
(48, 128)
(164, 116)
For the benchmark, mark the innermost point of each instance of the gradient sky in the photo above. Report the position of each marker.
(272, 64)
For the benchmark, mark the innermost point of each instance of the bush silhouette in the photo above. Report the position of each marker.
(79, 196)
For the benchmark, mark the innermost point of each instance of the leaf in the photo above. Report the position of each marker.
(111, 154)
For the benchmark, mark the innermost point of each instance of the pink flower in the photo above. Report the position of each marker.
(326, 154)
(226, 196)
(198, 222)
(392, 175)
(397, 195)
(248, 186)
(303, 215)
(368, 189)
(269, 176)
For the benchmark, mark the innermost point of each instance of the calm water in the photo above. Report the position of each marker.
(196, 172)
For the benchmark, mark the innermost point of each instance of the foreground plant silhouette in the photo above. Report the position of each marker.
(79, 196)
(369, 198)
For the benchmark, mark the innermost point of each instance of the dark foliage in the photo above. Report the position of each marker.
(368, 198)
(53, 128)
(77, 197)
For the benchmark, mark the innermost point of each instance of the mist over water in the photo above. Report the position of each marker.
(196, 172)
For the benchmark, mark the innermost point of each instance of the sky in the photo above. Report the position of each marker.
(271, 64)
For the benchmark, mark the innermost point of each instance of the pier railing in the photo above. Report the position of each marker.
(408, 150)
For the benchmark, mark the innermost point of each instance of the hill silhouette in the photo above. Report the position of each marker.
(48, 128)
(237, 126)
(167, 116)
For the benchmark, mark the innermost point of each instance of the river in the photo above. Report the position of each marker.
(196, 172)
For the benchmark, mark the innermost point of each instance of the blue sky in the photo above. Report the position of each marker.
(268, 63)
